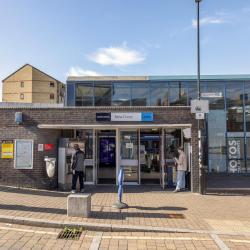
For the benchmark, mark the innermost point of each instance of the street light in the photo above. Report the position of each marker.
(201, 169)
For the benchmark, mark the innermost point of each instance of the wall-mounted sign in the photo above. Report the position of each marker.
(100, 117)
(199, 116)
(126, 117)
(199, 106)
(132, 117)
(212, 95)
(24, 154)
(48, 147)
(40, 147)
(234, 155)
(7, 149)
(129, 145)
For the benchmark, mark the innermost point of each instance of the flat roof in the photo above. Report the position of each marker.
(159, 78)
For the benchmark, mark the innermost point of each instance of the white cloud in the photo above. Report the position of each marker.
(208, 21)
(117, 56)
(77, 71)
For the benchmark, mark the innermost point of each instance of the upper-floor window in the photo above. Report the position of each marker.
(52, 96)
(102, 94)
(84, 94)
(22, 96)
(21, 84)
(159, 94)
(52, 84)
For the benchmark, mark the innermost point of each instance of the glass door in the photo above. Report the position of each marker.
(129, 155)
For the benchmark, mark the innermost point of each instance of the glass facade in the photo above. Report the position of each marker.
(227, 124)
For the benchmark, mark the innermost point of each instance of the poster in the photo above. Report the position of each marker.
(24, 154)
(7, 149)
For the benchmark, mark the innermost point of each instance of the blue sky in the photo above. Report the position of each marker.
(124, 37)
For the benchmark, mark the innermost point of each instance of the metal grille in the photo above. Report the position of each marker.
(70, 234)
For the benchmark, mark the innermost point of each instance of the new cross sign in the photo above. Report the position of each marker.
(126, 117)
(132, 117)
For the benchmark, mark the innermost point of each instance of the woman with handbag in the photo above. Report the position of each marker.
(181, 170)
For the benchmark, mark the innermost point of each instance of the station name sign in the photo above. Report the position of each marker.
(125, 117)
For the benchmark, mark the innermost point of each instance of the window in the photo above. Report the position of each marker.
(159, 94)
(217, 141)
(52, 84)
(234, 94)
(22, 96)
(102, 92)
(22, 84)
(216, 91)
(121, 95)
(192, 91)
(177, 94)
(84, 94)
(51, 96)
(140, 94)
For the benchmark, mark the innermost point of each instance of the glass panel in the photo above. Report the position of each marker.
(121, 94)
(247, 105)
(217, 141)
(84, 94)
(150, 156)
(235, 154)
(177, 94)
(159, 94)
(70, 94)
(129, 155)
(87, 136)
(102, 94)
(106, 157)
(248, 147)
(140, 94)
(216, 90)
(235, 107)
(129, 145)
(192, 91)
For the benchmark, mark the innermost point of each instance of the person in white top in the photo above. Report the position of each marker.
(181, 170)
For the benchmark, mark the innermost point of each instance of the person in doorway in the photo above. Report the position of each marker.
(78, 168)
(181, 170)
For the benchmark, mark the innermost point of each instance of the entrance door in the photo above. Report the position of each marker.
(150, 156)
(129, 155)
(106, 157)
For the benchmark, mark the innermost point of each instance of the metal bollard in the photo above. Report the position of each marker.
(119, 203)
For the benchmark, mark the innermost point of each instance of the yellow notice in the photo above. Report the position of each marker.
(7, 149)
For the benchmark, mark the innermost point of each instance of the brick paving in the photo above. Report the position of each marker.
(25, 237)
(148, 206)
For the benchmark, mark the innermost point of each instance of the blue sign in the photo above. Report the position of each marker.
(147, 117)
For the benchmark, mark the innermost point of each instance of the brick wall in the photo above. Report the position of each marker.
(37, 176)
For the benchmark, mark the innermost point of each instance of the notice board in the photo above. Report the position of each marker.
(24, 154)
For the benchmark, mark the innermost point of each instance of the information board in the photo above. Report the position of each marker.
(24, 154)
(7, 149)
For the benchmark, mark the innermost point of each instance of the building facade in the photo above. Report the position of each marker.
(30, 85)
(134, 123)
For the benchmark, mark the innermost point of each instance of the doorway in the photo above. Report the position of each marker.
(106, 156)
(150, 156)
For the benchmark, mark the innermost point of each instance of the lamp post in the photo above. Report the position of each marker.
(201, 169)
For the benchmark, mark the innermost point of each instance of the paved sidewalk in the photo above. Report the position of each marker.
(148, 206)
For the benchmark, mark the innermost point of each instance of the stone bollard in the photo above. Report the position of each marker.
(79, 205)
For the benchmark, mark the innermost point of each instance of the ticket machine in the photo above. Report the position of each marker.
(65, 155)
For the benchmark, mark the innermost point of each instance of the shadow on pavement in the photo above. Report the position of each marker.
(33, 209)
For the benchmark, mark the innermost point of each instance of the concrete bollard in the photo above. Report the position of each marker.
(79, 205)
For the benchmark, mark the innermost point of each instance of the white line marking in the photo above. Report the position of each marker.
(27, 230)
(219, 242)
(96, 242)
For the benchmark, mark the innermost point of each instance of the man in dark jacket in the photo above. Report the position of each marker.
(78, 168)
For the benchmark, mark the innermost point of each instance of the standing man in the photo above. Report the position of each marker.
(78, 168)
(181, 170)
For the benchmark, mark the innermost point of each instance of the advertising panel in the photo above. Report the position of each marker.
(234, 155)
(7, 149)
